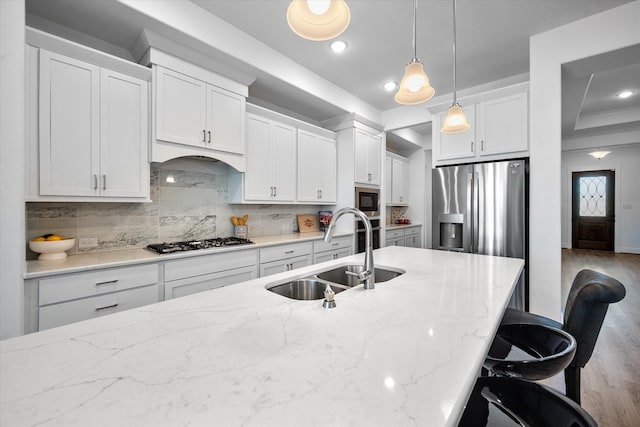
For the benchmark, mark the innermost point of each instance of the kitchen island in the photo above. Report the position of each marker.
(405, 353)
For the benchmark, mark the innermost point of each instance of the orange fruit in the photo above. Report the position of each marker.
(39, 239)
(54, 237)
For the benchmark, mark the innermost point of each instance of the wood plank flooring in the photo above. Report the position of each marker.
(611, 378)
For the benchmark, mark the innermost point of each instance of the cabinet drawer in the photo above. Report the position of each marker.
(96, 306)
(207, 282)
(207, 264)
(273, 267)
(412, 231)
(336, 243)
(394, 234)
(285, 251)
(64, 288)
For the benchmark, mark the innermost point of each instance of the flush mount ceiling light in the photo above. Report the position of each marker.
(414, 87)
(625, 94)
(389, 86)
(338, 46)
(455, 122)
(599, 154)
(318, 19)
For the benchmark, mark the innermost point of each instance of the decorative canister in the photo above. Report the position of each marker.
(241, 231)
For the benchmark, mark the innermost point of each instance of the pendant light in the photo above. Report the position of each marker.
(414, 87)
(455, 122)
(318, 19)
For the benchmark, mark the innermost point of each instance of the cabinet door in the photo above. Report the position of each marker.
(225, 120)
(181, 105)
(207, 282)
(503, 125)
(124, 141)
(68, 126)
(288, 264)
(413, 241)
(258, 182)
(388, 182)
(316, 168)
(457, 145)
(398, 241)
(67, 312)
(367, 158)
(400, 182)
(283, 158)
(374, 159)
(326, 170)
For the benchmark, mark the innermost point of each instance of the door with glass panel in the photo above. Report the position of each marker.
(593, 216)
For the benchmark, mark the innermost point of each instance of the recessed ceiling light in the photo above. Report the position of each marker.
(625, 94)
(389, 86)
(338, 46)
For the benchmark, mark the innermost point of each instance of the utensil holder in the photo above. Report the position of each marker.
(241, 231)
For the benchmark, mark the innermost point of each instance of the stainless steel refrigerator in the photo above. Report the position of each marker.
(483, 208)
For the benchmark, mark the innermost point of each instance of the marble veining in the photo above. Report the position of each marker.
(403, 354)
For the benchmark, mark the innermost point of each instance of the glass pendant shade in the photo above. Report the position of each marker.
(414, 87)
(455, 122)
(318, 19)
(599, 154)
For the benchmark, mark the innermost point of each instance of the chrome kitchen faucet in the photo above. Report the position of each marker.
(367, 276)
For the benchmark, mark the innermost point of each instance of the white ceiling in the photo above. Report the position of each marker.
(493, 43)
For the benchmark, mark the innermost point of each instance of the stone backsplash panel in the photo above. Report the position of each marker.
(189, 202)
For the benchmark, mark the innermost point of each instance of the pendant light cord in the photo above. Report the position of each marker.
(455, 101)
(415, 55)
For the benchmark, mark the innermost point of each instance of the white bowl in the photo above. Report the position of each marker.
(52, 249)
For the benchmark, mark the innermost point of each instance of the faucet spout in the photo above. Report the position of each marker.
(368, 275)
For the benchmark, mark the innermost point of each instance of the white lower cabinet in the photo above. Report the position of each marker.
(73, 297)
(412, 237)
(394, 237)
(409, 236)
(203, 273)
(276, 259)
(339, 247)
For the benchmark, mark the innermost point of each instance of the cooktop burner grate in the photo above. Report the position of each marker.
(190, 245)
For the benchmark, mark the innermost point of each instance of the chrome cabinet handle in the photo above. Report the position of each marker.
(107, 282)
(289, 252)
(472, 146)
(482, 145)
(95, 182)
(368, 177)
(204, 135)
(209, 141)
(106, 307)
(275, 191)
(104, 182)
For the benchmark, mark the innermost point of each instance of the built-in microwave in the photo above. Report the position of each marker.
(368, 200)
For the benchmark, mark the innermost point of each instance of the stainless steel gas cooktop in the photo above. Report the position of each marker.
(190, 245)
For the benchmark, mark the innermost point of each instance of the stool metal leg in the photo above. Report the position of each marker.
(572, 383)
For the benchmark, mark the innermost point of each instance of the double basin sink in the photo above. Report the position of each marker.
(312, 287)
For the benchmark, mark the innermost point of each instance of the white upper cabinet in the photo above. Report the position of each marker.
(93, 131)
(499, 130)
(388, 164)
(195, 113)
(271, 161)
(316, 168)
(368, 153)
(399, 182)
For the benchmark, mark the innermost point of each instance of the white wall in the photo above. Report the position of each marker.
(12, 163)
(613, 29)
(625, 161)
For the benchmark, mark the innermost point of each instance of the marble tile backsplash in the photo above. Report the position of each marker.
(189, 202)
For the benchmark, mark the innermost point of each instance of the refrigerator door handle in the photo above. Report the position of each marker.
(469, 220)
(475, 214)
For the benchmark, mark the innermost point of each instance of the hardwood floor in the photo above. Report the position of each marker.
(611, 378)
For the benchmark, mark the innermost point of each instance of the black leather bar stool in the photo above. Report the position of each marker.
(504, 402)
(589, 298)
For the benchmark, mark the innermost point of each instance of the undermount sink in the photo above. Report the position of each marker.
(340, 275)
(312, 287)
(305, 289)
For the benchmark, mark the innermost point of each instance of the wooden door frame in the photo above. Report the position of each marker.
(610, 203)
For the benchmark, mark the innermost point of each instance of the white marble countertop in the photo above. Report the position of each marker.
(403, 354)
(119, 258)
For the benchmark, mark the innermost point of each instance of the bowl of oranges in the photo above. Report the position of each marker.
(51, 246)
